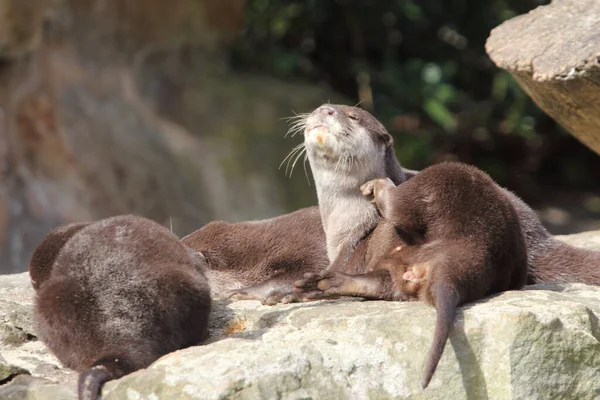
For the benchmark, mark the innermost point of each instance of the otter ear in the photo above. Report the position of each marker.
(388, 140)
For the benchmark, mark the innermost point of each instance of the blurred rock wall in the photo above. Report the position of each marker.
(110, 107)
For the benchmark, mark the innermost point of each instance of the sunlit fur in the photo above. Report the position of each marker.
(355, 148)
(114, 295)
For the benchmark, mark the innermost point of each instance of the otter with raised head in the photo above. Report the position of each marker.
(279, 250)
(115, 295)
(261, 259)
(346, 146)
(461, 240)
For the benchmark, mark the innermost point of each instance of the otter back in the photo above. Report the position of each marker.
(120, 293)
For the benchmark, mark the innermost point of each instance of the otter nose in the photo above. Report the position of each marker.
(326, 110)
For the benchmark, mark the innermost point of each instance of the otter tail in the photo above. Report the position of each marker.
(446, 301)
(109, 367)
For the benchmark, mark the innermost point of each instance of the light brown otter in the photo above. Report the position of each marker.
(261, 259)
(346, 147)
(460, 241)
(113, 296)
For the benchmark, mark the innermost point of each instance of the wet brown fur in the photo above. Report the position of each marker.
(549, 260)
(114, 295)
(42, 259)
(261, 259)
(462, 241)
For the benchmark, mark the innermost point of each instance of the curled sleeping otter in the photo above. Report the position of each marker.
(113, 296)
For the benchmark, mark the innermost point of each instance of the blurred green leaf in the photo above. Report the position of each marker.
(440, 114)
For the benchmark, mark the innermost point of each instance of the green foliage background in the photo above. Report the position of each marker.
(431, 81)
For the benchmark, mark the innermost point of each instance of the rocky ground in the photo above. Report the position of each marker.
(539, 343)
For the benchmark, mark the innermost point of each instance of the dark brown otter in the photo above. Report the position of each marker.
(113, 296)
(347, 146)
(549, 259)
(460, 241)
(261, 259)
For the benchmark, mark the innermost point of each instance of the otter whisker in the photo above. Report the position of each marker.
(296, 160)
(296, 116)
(294, 130)
(296, 127)
(304, 164)
(290, 155)
(297, 121)
(338, 163)
(349, 162)
(293, 156)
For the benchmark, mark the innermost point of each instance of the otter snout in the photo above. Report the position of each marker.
(322, 126)
(326, 110)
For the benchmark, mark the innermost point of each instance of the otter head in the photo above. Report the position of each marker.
(345, 137)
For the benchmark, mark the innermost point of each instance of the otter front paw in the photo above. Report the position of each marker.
(372, 188)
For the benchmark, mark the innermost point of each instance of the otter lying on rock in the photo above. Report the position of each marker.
(261, 259)
(115, 295)
(456, 233)
(346, 147)
(279, 250)
(460, 241)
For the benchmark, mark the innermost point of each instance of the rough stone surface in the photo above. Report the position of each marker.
(20, 26)
(130, 107)
(554, 54)
(539, 343)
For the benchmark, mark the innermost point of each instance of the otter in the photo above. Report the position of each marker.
(261, 259)
(302, 247)
(346, 147)
(113, 296)
(460, 241)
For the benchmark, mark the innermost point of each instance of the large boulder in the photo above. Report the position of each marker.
(553, 52)
(541, 342)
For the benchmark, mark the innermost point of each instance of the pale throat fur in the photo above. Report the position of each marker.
(343, 155)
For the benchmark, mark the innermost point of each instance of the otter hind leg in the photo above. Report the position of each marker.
(278, 289)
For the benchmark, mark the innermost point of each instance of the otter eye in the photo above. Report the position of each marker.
(353, 117)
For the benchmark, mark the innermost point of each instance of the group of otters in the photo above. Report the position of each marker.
(114, 295)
